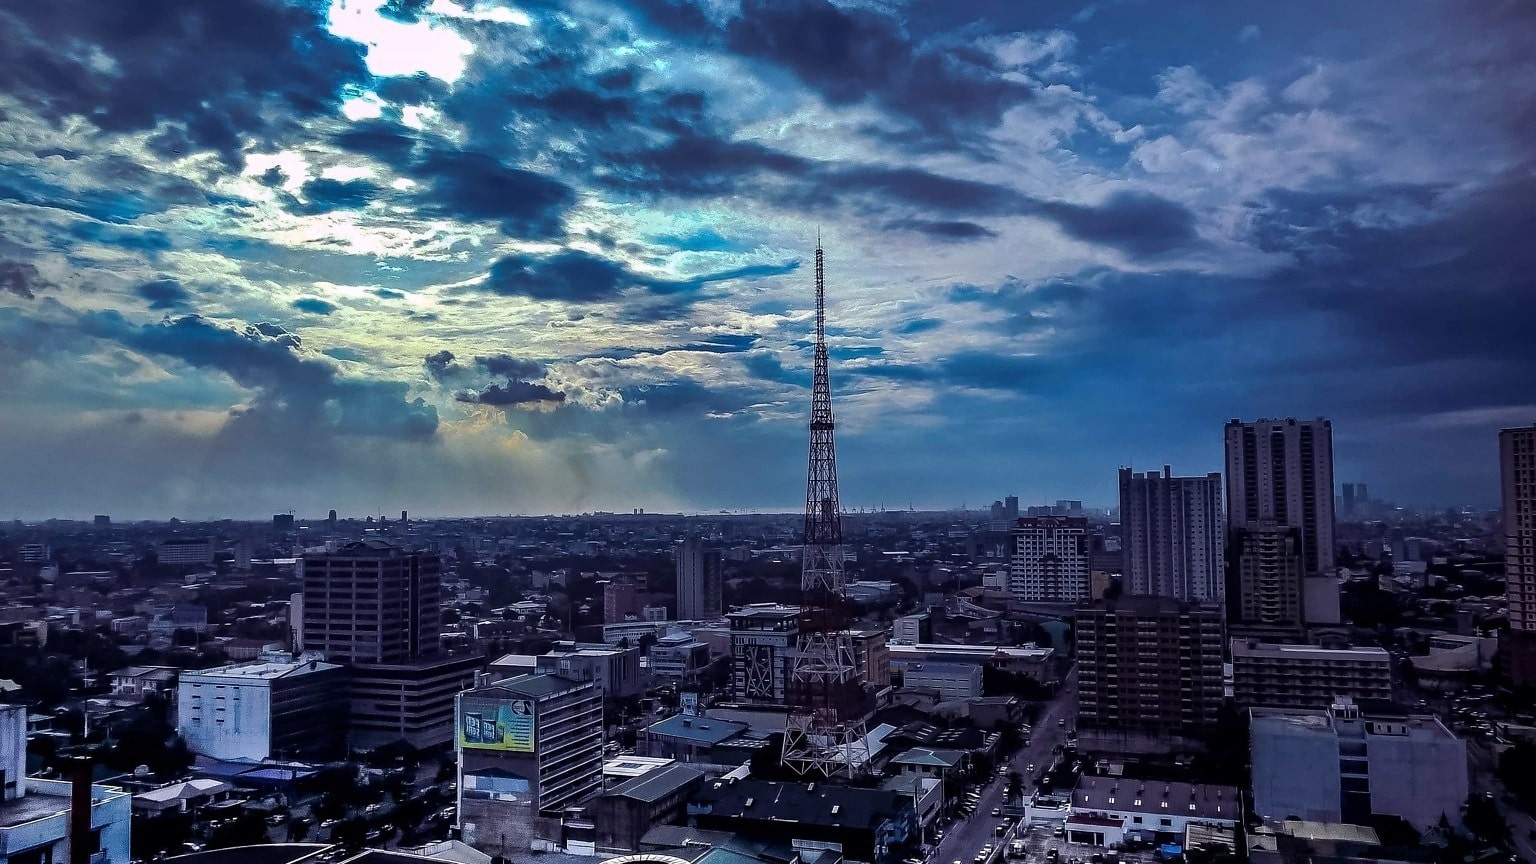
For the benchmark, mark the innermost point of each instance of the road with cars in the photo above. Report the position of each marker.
(966, 837)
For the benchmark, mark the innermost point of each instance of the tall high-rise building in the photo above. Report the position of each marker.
(1517, 473)
(1173, 533)
(1280, 473)
(700, 584)
(1265, 598)
(1011, 507)
(622, 601)
(372, 602)
(1348, 502)
(1049, 559)
(1149, 672)
(375, 607)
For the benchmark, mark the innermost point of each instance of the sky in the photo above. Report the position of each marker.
(484, 257)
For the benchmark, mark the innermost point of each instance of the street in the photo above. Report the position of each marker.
(965, 837)
(1483, 780)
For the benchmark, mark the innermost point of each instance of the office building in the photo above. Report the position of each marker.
(763, 637)
(185, 551)
(255, 711)
(375, 607)
(37, 816)
(1354, 761)
(410, 701)
(372, 602)
(678, 657)
(1517, 474)
(1265, 599)
(1011, 508)
(1280, 472)
(945, 680)
(1173, 534)
(529, 748)
(1049, 559)
(1037, 663)
(1306, 676)
(1149, 672)
(614, 670)
(700, 582)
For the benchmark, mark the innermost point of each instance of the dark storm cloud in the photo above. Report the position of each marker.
(164, 294)
(315, 305)
(514, 392)
(951, 231)
(578, 106)
(323, 195)
(850, 54)
(296, 393)
(404, 11)
(507, 366)
(388, 294)
(574, 276)
(1136, 223)
(218, 73)
(21, 279)
(385, 140)
(442, 366)
(920, 325)
(478, 187)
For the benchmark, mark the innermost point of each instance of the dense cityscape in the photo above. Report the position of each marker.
(399, 400)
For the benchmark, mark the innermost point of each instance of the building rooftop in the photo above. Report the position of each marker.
(980, 652)
(765, 610)
(634, 766)
(1252, 648)
(929, 757)
(535, 686)
(1299, 721)
(657, 784)
(811, 803)
(1157, 798)
(698, 730)
(257, 671)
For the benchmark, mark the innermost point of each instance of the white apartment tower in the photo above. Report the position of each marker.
(1517, 473)
(1050, 559)
(1173, 532)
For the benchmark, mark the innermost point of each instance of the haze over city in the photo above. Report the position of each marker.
(466, 258)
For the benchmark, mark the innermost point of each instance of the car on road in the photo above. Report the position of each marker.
(997, 811)
(1031, 768)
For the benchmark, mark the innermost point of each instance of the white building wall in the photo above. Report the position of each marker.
(1295, 774)
(13, 748)
(951, 682)
(1417, 779)
(225, 719)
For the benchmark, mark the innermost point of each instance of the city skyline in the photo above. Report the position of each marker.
(481, 258)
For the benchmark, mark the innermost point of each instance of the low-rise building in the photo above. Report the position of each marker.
(872, 826)
(258, 711)
(1109, 810)
(136, 682)
(409, 701)
(1036, 663)
(1352, 762)
(614, 670)
(36, 816)
(624, 814)
(1305, 676)
(947, 680)
(678, 657)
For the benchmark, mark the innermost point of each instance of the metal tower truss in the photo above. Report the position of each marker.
(825, 733)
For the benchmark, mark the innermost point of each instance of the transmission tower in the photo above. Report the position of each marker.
(828, 702)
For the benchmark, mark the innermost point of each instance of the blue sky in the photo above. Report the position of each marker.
(461, 256)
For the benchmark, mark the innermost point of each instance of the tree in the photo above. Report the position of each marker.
(1484, 821)
(1517, 771)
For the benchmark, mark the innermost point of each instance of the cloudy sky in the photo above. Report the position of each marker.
(527, 256)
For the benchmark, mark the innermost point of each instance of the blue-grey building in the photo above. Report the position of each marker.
(1355, 761)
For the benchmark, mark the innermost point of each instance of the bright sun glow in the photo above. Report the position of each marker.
(396, 48)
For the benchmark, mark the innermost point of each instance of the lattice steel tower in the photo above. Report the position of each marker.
(828, 702)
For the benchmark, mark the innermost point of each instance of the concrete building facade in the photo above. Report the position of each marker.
(1149, 671)
(762, 652)
(256, 711)
(1173, 533)
(1265, 598)
(1281, 471)
(36, 815)
(700, 581)
(372, 602)
(614, 670)
(1306, 676)
(1354, 761)
(528, 747)
(1049, 559)
(1517, 475)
